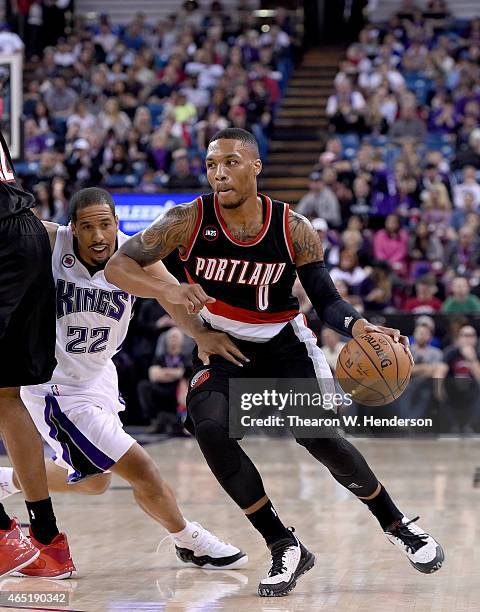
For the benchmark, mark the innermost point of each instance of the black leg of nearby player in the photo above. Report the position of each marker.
(348, 466)
(231, 466)
(5, 520)
(240, 478)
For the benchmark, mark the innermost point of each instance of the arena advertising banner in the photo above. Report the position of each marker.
(137, 210)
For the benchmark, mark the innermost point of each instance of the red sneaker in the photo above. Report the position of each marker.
(16, 550)
(54, 561)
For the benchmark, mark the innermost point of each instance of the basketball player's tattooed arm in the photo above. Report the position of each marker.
(126, 269)
(306, 243)
(170, 231)
(319, 287)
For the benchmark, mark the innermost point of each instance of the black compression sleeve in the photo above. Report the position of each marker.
(331, 308)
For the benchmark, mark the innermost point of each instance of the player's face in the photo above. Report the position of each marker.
(96, 233)
(232, 169)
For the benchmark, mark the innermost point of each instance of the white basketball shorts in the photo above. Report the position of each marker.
(82, 427)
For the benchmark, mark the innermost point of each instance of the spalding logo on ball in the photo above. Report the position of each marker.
(374, 369)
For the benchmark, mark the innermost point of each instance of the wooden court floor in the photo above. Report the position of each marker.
(114, 544)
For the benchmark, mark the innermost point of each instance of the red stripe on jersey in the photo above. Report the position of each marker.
(226, 231)
(243, 315)
(196, 229)
(286, 231)
(249, 316)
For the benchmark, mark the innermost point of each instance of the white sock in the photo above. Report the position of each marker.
(187, 533)
(7, 487)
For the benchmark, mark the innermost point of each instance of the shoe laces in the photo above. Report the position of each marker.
(412, 541)
(207, 537)
(214, 542)
(169, 536)
(279, 552)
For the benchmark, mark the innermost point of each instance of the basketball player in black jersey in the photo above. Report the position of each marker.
(27, 356)
(245, 251)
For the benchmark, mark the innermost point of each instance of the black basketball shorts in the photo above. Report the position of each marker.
(291, 354)
(27, 302)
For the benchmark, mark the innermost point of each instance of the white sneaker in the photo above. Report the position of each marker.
(290, 559)
(203, 549)
(424, 553)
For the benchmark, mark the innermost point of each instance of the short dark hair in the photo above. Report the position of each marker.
(89, 197)
(237, 134)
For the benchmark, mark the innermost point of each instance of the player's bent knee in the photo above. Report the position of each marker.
(221, 452)
(210, 431)
(209, 405)
(209, 413)
(330, 452)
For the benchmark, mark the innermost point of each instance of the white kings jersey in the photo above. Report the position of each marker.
(92, 318)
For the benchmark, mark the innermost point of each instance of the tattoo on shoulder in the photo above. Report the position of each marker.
(306, 243)
(170, 231)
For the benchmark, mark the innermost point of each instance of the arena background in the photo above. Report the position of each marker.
(278, 73)
(368, 119)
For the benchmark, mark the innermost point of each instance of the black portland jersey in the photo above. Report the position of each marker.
(13, 199)
(251, 281)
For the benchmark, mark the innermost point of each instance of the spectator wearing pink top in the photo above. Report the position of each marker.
(391, 244)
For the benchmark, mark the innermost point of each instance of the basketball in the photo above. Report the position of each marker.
(374, 369)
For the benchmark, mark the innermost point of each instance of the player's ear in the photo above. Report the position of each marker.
(257, 164)
(74, 228)
(116, 221)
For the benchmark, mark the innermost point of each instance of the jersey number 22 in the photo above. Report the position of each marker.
(98, 336)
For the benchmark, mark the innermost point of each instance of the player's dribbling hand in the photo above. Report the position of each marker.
(193, 297)
(363, 326)
(217, 343)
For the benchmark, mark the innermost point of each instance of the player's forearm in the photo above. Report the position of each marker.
(317, 282)
(125, 273)
(192, 325)
(329, 305)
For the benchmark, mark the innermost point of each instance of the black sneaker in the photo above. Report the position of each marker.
(290, 559)
(424, 553)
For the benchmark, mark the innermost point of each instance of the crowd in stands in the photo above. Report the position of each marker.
(36, 23)
(395, 197)
(135, 106)
(398, 182)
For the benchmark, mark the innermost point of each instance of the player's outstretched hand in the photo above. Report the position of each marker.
(362, 326)
(211, 342)
(193, 297)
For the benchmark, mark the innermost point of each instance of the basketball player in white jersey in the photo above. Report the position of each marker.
(76, 412)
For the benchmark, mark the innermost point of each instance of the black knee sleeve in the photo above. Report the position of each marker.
(232, 468)
(346, 464)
